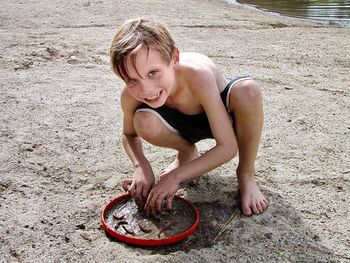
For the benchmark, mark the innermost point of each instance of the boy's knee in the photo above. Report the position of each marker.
(147, 125)
(247, 91)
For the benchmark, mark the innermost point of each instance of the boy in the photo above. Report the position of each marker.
(173, 100)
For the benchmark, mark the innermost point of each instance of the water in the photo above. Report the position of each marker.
(327, 10)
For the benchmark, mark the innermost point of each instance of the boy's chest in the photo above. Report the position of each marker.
(185, 103)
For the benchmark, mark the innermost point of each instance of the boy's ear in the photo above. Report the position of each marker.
(176, 56)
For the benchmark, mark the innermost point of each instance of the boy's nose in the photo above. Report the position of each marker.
(146, 88)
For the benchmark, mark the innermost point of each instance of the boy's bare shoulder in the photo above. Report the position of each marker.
(199, 69)
(196, 61)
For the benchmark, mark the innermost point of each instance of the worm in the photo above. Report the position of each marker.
(128, 230)
(122, 222)
(118, 216)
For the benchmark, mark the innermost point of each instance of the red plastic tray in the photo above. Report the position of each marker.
(148, 242)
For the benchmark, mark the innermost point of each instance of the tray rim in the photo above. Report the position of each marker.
(148, 242)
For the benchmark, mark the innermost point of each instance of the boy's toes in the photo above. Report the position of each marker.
(259, 208)
(264, 204)
(256, 210)
(253, 208)
(247, 211)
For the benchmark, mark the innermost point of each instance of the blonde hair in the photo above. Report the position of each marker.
(134, 35)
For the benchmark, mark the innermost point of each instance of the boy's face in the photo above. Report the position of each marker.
(156, 77)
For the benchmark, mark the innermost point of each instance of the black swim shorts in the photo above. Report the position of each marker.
(191, 127)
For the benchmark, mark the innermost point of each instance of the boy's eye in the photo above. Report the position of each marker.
(152, 73)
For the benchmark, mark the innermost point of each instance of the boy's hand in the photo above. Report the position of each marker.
(139, 186)
(164, 189)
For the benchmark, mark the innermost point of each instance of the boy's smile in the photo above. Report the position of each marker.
(154, 97)
(152, 80)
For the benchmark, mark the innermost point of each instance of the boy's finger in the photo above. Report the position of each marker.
(159, 201)
(140, 203)
(126, 185)
(170, 199)
(152, 207)
(139, 198)
(138, 192)
(145, 192)
(149, 204)
(132, 189)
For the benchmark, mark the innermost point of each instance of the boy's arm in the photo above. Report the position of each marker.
(204, 87)
(143, 178)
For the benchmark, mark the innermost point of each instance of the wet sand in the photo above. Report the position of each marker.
(61, 158)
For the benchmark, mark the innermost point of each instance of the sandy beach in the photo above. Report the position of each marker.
(61, 158)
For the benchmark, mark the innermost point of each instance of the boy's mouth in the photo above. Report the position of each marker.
(155, 97)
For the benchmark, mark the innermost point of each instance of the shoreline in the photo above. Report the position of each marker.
(339, 22)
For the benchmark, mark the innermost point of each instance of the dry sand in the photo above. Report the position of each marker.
(61, 158)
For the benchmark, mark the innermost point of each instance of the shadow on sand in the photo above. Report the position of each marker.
(279, 233)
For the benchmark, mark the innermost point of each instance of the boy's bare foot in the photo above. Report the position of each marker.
(252, 200)
(182, 158)
(171, 167)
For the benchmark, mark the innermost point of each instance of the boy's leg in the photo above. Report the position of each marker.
(151, 129)
(246, 105)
